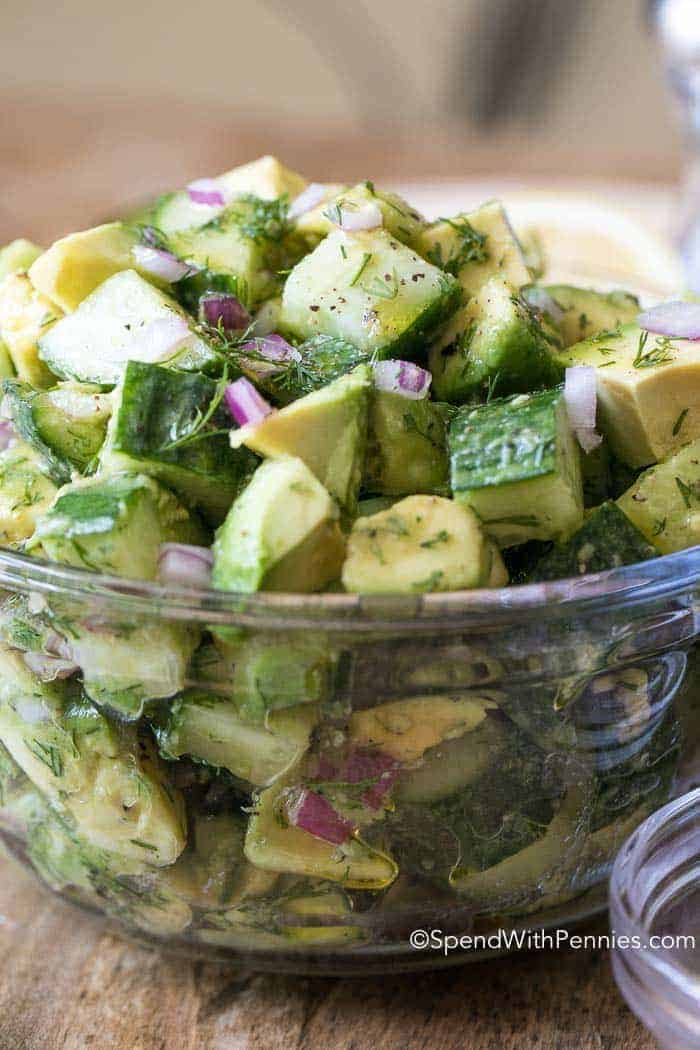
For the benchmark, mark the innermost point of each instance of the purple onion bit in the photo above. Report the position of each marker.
(7, 434)
(245, 404)
(206, 191)
(677, 320)
(272, 348)
(402, 377)
(313, 813)
(223, 310)
(185, 565)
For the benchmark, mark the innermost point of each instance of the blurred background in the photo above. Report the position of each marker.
(105, 106)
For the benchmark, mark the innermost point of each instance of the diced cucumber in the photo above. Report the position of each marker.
(26, 316)
(494, 344)
(114, 524)
(259, 548)
(399, 219)
(210, 729)
(648, 391)
(119, 322)
(452, 763)
(582, 312)
(74, 266)
(327, 429)
(423, 543)
(66, 426)
(606, 540)
(596, 472)
(274, 845)
(664, 502)
(516, 463)
(25, 492)
(7, 369)
(371, 290)
(324, 358)
(159, 427)
(475, 247)
(18, 256)
(407, 446)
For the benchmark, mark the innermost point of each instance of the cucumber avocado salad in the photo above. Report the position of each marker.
(268, 385)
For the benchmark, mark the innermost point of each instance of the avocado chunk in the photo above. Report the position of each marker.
(606, 540)
(18, 255)
(114, 524)
(211, 730)
(66, 425)
(327, 429)
(476, 246)
(579, 313)
(422, 543)
(25, 316)
(124, 319)
(406, 729)
(648, 391)
(280, 534)
(265, 178)
(370, 290)
(493, 344)
(26, 492)
(399, 219)
(111, 787)
(516, 463)
(407, 446)
(172, 426)
(72, 268)
(664, 501)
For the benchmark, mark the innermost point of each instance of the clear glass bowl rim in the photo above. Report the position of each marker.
(667, 577)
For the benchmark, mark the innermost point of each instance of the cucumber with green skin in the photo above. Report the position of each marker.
(323, 359)
(371, 290)
(66, 425)
(580, 313)
(515, 462)
(407, 446)
(160, 424)
(606, 540)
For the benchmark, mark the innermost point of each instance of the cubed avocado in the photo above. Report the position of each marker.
(327, 429)
(422, 543)
(26, 492)
(280, 534)
(493, 344)
(26, 315)
(114, 523)
(407, 446)
(648, 391)
(579, 313)
(476, 246)
(664, 501)
(516, 463)
(370, 290)
(18, 255)
(124, 319)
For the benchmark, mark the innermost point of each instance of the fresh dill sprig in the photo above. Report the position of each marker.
(659, 354)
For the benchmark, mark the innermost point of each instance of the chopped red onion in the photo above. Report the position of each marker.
(55, 645)
(274, 349)
(361, 765)
(313, 813)
(308, 199)
(161, 338)
(353, 219)
(31, 709)
(678, 320)
(580, 397)
(402, 377)
(49, 668)
(245, 404)
(185, 564)
(160, 263)
(7, 434)
(225, 310)
(206, 191)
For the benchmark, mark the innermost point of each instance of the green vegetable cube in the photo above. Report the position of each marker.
(606, 540)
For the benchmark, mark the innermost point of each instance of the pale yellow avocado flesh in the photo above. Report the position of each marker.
(421, 543)
(664, 502)
(648, 392)
(406, 729)
(266, 178)
(25, 316)
(74, 266)
(18, 255)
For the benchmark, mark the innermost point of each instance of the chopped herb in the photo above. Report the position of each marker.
(679, 422)
(440, 537)
(685, 490)
(429, 582)
(366, 258)
(659, 527)
(470, 248)
(660, 354)
(607, 334)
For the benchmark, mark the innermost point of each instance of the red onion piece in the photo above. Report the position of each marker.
(55, 645)
(353, 219)
(185, 565)
(308, 199)
(31, 709)
(225, 310)
(402, 377)
(206, 191)
(274, 349)
(7, 434)
(245, 404)
(580, 397)
(161, 338)
(49, 668)
(160, 263)
(313, 813)
(361, 765)
(678, 320)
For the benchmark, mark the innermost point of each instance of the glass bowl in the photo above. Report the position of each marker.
(313, 779)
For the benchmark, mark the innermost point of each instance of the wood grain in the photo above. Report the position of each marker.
(65, 983)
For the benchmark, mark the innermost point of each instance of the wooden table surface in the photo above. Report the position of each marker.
(65, 983)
